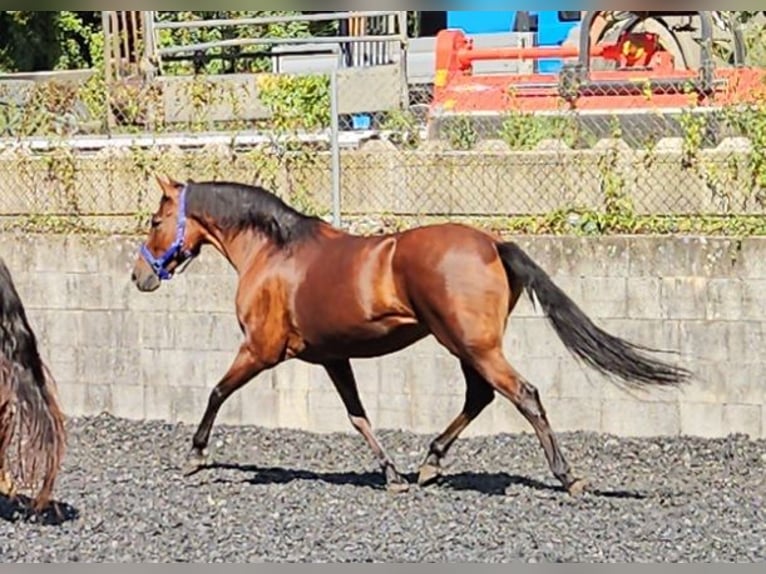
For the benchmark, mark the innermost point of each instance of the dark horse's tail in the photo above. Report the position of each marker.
(30, 416)
(597, 348)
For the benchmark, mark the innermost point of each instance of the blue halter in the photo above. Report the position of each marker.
(159, 264)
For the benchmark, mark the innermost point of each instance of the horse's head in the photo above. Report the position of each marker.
(173, 239)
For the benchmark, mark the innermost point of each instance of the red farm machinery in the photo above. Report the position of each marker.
(635, 70)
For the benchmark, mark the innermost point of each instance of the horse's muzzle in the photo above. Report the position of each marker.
(145, 280)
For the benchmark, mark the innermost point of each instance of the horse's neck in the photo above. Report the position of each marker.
(243, 248)
(240, 249)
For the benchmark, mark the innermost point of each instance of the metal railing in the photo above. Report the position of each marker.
(359, 47)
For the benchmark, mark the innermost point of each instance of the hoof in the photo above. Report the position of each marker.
(428, 474)
(195, 462)
(397, 487)
(577, 487)
(7, 485)
(395, 482)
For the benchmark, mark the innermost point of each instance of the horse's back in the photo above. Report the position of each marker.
(376, 268)
(446, 247)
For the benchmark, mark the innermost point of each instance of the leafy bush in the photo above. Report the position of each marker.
(39, 41)
(297, 102)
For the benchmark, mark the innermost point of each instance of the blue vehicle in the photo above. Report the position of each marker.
(551, 27)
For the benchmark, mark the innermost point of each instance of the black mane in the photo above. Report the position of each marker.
(237, 206)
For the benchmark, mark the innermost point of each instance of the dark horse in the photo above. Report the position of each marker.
(313, 292)
(30, 415)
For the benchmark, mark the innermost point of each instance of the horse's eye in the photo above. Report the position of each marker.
(155, 222)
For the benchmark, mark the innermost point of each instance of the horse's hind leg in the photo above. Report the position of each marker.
(478, 395)
(342, 376)
(498, 372)
(7, 484)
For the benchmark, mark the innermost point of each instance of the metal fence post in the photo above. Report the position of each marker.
(335, 140)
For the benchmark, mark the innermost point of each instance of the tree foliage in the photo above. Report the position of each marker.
(35, 41)
(45, 40)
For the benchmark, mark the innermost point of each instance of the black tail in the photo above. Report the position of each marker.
(30, 415)
(606, 353)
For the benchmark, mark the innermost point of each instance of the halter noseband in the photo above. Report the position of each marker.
(159, 264)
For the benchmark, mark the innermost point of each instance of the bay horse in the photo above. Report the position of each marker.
(310, 291)
(30, 414)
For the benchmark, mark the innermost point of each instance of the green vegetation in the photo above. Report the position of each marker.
(40, 41)
(70, 40)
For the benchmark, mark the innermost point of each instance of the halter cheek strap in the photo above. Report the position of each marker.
(159, 264)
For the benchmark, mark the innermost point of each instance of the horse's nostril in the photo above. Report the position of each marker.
(133, 277)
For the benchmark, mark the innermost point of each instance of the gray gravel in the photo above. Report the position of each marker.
(294, 496)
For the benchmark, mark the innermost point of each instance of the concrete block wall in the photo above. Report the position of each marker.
(158, 355)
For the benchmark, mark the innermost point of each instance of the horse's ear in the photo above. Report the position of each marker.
(168, 185)
(161, 182)
(175, 183)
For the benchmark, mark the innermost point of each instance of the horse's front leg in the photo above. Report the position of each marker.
(247, 365)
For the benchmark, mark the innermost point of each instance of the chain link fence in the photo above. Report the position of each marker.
(624, 157)
(60, 173)
(383, 155)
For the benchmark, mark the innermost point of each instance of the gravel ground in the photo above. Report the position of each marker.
(294, 496)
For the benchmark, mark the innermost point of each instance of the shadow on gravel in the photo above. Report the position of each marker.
(498, 483)
(20, 509)
(488, 483)
(493, 483)
(279, 475)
